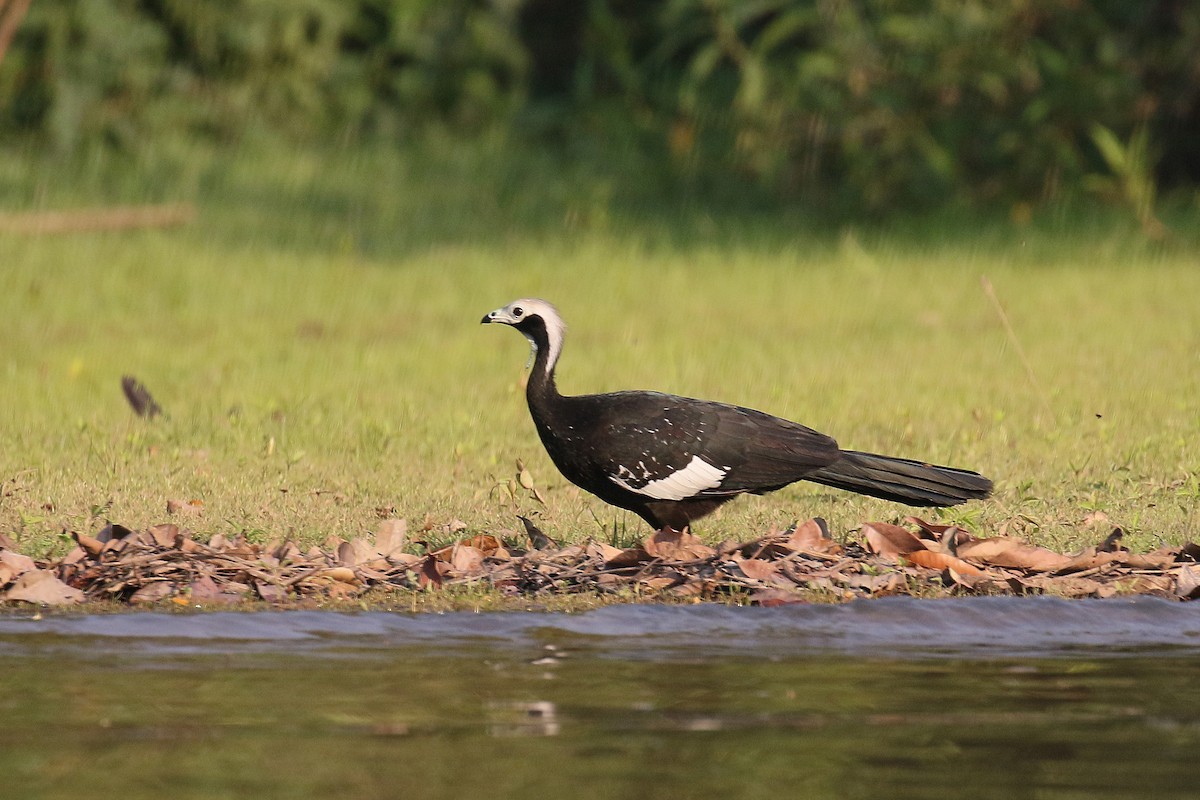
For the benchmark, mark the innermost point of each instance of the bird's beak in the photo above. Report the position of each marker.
(499, 315)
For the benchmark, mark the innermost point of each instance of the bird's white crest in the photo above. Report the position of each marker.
(690, 481)
(531, 306)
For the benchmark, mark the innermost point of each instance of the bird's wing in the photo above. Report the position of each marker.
(672, 448)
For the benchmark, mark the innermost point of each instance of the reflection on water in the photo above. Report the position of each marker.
(899, 699)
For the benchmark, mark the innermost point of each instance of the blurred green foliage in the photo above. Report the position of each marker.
(839, 103)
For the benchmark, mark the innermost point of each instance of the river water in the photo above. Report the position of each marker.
(893, 698)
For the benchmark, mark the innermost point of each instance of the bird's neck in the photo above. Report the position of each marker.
(540, 390)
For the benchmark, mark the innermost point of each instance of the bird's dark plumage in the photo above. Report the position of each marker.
(672, 459)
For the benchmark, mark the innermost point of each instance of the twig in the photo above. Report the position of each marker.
(1016, 343)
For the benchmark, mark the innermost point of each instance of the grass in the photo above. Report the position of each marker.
(314, 339)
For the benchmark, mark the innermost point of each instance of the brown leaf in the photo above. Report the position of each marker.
(43, 587)
(1063, 585)
(164, 535)
(942, 561)
(1187, 582)
(467, 560)
(391, 536)
(152, 593)
(890, 541)
(19, 563)
(758, 569)
(189, 507)
(629, 557)
(340, 574)
(770, 598)
(484, 542)
(813, 535)
(355, 552)
(932, 530)
(205, 590)
(602, 551)
(671, 545)
(270, 592)
(659, 582)
(91, 544)
(431, 572)
(1001, 551)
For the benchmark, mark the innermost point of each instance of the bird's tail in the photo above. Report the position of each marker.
(902, 480)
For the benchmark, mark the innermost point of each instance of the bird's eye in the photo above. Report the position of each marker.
(518, 311)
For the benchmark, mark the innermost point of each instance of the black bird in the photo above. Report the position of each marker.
(671, 460)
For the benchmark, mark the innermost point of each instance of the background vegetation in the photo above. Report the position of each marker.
(856, 105)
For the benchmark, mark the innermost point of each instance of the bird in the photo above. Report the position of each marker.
(672, 460)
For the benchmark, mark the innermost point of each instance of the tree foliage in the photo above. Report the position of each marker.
(861, 102)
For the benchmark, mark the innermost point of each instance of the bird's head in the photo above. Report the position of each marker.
(538, 321)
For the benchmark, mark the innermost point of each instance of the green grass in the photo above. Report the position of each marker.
(314, 339)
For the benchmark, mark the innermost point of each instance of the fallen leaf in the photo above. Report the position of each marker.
(340, 574)
(933, 530)
(629, 557)
(942, 561)
(758, 569)
(91, 544)
(270, 592)
(603, 551)
(770, 598)
(431, 573)
(890, 541)
(1187, 582)
(355, 552)
(191, 507)
(812, 534)
(467, 560)
(1001, 551)
(671, 545)
(43, 587)
(152, 593)
(391, 536)
(19, 563)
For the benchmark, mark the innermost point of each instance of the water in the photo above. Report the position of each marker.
(898, 698)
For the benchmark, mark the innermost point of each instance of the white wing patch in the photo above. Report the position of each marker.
(688, 482)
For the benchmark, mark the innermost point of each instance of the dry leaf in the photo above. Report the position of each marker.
(391, 536)
(340, 574)
(1187, 582)
(813, 535)
(670, 545)
(190, 507)
(43, 587)
(758, 569)
(92, 545)
(152, 593)
(890, 541)
(1001, 551)
(467, 560)
(17, 562)
(602, 551)
(942, 561)
(770, 598)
